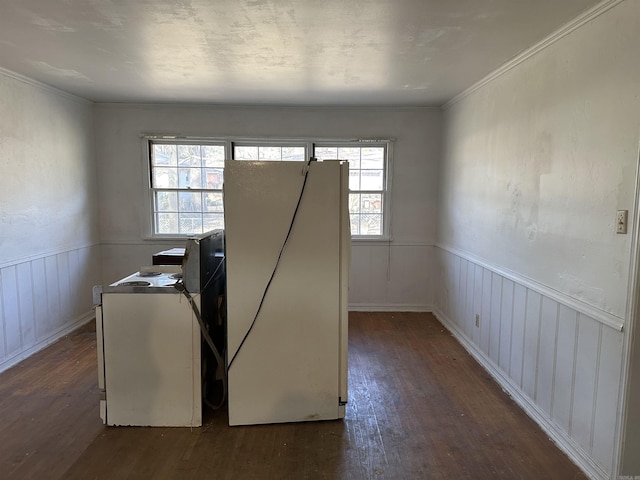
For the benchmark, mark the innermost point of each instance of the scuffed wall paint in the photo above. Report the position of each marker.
(538, 161)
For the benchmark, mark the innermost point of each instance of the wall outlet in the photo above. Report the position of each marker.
(478, 320)
(621, 221)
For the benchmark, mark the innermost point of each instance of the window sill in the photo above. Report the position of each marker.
(166, 238)
(176, 237)
(370, 240)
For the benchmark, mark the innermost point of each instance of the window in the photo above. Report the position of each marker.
(269, 152)
(186, 179)
(367, 184)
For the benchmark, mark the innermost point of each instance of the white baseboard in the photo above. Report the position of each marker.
(65, 330)
(389, 307)
(558, 436)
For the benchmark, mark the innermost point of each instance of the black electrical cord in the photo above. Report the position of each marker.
(205, 333)
(275, 268)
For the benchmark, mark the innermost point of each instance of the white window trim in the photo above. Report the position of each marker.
(147, 201)
(386, 205)
(147, 214)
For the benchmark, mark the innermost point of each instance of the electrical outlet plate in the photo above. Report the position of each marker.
(621, 221)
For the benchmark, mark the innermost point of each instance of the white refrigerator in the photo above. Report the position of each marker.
(286, 307)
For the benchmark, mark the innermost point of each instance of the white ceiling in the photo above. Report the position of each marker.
(277, 52)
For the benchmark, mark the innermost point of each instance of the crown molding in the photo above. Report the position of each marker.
(43, 86)
(562, 32)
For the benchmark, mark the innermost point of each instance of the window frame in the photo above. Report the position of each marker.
(385, 192)
(268, 142)
(150, 206)
(148, 190)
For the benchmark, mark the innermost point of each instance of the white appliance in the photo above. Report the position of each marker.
(148, 351)
(288, 362)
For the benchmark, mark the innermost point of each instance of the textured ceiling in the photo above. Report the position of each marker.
(278, 52)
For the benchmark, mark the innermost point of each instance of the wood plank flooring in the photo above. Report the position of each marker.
(419, 408)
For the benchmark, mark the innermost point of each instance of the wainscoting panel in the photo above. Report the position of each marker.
(585, 382)
(26, 306)
(559, 363)
(485, 312)
(4, 335)
(42, 299)
(530, 350)
(494, 319)
(562, 400)
(12, 340)
(546, 354)
(604, 417)
(390, 277)
(517, 333)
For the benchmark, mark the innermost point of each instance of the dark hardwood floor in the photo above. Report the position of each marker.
(419, 408)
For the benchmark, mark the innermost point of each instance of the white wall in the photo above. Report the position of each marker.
(383, 276)
(536, 162)
(48, 230)
(539, 160)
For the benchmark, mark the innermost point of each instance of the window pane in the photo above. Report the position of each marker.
(167, 201)
(189, 202)
(245, 153)
(214, 178)
(371, 179)
(354, 203)
(371, 224)
(354, 179)
(212, 221)
(213, 202)
(166, 223)
(293, 154)
(371, 203)
(190, 223)
(355, 224)
(162, 154)
(190, 178)
(269, 153)
(354, 164)
(326, 153)
(165, 177)
(189, 156)
(350, 153)
(372, 157)
(213, 155)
